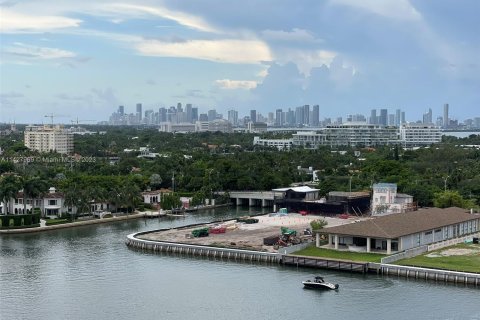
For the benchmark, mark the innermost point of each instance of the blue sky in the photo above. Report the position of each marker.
(84, 58)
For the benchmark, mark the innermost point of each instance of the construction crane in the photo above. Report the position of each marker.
(51, 116)
(77, 121)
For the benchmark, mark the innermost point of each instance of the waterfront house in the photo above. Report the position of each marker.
(386, 200)
(154, 197)
(402, 231)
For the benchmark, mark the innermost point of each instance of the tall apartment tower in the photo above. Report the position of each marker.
(299, 115)
(306, 114)
(253, 115)
(445, 115)
(427, 116)
(373, 117)
(194, 114)
(383, 117)
(314, 120)
(402, 118)
(188, 112)
(278, 117)
(139, 112)
(233, 117)
(398, 120)
(121, 110)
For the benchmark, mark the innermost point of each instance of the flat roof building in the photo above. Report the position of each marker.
(46, 138)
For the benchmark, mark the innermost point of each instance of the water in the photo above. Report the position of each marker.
(89, 273)
(460, 134)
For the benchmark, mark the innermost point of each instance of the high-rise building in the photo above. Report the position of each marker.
(46, 139)
(179, 107)
(299, 115)
(402, 118)
(445, 115)
(314, 120)
(306, 114)
(427, 117)
(203, 117)
(253, 115)
(212, 115)
(398, 119)
(194, 114)
(278, 117)
(391, 119)
(162, 115)
(188, 112)
(139, 112)
(289, 117)
(233, 117)
(373, 117)
(383, 117)
(121, 110)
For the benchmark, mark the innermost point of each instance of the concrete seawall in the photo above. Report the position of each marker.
(431, 274)
(199, 250)
(72, 224)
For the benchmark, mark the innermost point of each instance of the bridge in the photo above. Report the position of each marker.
(253, 198)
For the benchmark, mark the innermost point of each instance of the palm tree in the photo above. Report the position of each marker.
(9, 186)
(32, 189)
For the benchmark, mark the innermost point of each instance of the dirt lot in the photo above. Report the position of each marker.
(245, 236)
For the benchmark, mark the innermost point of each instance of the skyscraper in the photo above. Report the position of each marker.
(212, 115)
(278, 117)
(121, 110)
(383, 117)
(306, 114)
(445, 115)
(402, 118)
(427, 116)
(314, 121)
(299, 115)
(373, 117)
(398, 120)
(194, 114)
(188, 112)
(139, 112)
(253, 115)
(233, 117)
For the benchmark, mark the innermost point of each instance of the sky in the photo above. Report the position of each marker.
(82, 59)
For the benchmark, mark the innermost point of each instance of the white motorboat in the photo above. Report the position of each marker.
(319, 283)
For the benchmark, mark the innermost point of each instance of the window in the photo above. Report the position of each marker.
(52, 202)
(428, 233)
(438, 230)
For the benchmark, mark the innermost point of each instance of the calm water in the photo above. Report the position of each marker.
(89, 273)
(460, 134)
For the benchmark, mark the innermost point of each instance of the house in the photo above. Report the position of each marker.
(155, 197)
(399, 232)
(386, 200)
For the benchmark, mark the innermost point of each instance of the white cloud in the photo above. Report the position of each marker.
(394, 9)
(13, 22)
(236, 84)
(182, 18)
(227, 51)
(34, 52)
(296, 35)
(305, 59)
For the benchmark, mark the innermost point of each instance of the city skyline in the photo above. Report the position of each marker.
(84, 59)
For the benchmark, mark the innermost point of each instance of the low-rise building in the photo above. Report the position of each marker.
(399, 232)
(419, 134)
(280, 144)
(386, 200)
(154, 197)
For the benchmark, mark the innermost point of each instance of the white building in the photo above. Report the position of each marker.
(360, 134)
(155, 197)
(46, 139)
(177, 127)
(309, 139)
(221, 125)
(280, 144)
(415, 134)
(386, 200)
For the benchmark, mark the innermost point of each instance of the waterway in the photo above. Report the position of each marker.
(89, 273)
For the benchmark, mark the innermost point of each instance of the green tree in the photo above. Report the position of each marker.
(318, 224)
(448, 199)
(32, 189)
(171, 201)
(9, 186)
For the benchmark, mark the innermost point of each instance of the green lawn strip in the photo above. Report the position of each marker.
(51, 222)
(464, 263)
(313, 251)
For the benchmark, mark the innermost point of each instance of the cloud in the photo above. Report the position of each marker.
(305, 59)
(393, 9)
(227, 51)
(7, 99)
(14, 22)
(181, 18)
(106, 96)
(151, 82)
(236, 84)
(296, 35)
(34, 52)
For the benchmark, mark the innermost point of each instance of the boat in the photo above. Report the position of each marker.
(319, 283)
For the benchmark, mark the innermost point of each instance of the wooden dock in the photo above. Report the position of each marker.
(317, 262)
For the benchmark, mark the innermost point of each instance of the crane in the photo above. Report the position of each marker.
(77, 121)
(51, 116)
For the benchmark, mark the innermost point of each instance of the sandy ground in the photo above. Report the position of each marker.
(455, 252)
(246, 236)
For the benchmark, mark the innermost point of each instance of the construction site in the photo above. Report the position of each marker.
(265, 233)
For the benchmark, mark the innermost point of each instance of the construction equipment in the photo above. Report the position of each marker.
(77, 121)
(198, 233)
(51, 116)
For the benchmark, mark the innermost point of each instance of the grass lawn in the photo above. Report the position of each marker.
(343, 255)
(462, 257)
